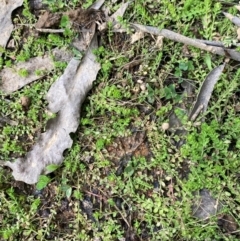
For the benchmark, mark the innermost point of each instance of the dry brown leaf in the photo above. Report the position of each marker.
(47, 20)
(6, 26)
(78, 17)
(159, 42)
(238, 33)
(186, 52)
(175, 124)
(137, 36)
(84, 18)
(65, 98)
(83, 41)
(206, 92)
(120, 12)
(11, 79)
(25, 102)
(232, 18)
(114, 18)
(228, 223)
(36, 5)
(97, 5)
(5, 120)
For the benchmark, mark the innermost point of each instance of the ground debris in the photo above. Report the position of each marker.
(134, 183)
(205, 206)
(24, 73)
(228, 223)
(6, 26)
(206, 92)
(134, 145)
(48, 20)
(79, 18)
(229, 53)
(49, 149)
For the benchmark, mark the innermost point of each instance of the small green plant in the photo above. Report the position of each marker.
(183, 67)
(30, 18)
(39, 72)
(88, 3)
(229, 42)
(42, 182)
(169, 93)
(55, 5)
(23, 73)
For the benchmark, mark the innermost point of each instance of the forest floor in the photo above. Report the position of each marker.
(138, 168)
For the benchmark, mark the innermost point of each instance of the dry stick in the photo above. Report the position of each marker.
(126, 221)
(215, 43)
(49, 30)
(4, 119)
(212, 43)
(189, 41)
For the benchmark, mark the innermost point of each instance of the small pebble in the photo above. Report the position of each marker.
(165, 126)
(25, 102)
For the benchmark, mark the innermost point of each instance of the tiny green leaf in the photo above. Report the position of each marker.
(129, 170)
(69, 192)
(42, 182)
(52, 167)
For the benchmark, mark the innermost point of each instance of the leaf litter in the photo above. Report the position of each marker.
(208, 205)
(6, 26)
(34, 69)
(65, 98)
(114, 19)
(75, 84)
(51, 145)
(205, 92)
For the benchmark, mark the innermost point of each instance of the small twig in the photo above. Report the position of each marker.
(4, 119)
(25, 24)
(206, 89)
(49, 30)
(215, 43)
(115, 206)
(212, 43)
(96, 195)
(233, 54)
(126, 221)
(237, 231)
(170, 192)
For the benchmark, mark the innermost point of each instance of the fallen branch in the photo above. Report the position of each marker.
(230, 53)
